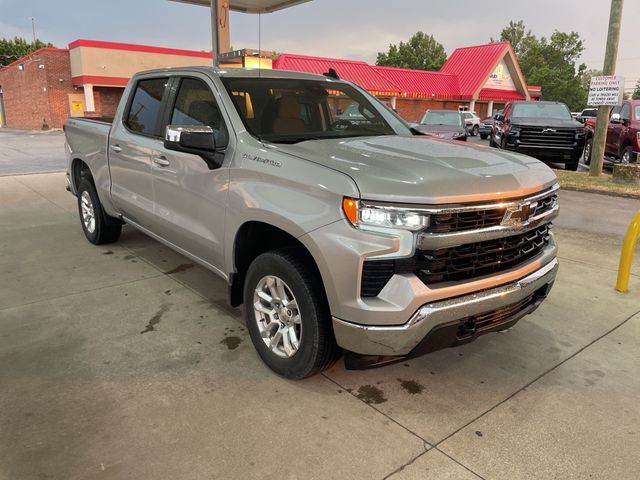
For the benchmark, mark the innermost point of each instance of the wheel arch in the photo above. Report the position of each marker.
(254, 238)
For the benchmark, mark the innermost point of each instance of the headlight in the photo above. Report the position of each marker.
(367, 214)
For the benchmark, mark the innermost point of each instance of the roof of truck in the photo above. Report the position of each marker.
(241, 73)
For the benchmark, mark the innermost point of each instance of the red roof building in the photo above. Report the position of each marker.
(481, 78)
(360, 73)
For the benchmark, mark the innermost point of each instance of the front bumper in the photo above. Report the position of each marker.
(446, 323)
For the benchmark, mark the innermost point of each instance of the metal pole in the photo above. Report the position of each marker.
(626, 256)
(215, 48)
(610, 56)
(33, 29)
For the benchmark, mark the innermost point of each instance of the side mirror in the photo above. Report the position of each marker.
(195, 139)
(500, 117)
(615, 118)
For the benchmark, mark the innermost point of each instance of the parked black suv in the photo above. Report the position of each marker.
(544, 130)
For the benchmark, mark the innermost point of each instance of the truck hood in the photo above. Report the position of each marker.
(545, 122)
(426, 170)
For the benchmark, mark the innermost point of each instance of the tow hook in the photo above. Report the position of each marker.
(467, 329)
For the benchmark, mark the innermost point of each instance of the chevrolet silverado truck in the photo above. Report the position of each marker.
(623, 134)
(545, 130)
(336, 236)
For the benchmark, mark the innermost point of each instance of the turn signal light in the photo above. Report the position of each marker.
(350, 209)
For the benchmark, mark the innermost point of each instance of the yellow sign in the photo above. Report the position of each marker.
(76, 104)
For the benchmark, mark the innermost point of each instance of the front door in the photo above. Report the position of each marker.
(190, 199)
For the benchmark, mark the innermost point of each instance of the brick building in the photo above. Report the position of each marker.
(481, 78)
(43, 89)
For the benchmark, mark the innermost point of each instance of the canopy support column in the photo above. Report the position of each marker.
(220, 39)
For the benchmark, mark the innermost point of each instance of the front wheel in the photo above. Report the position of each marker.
(588, 147)
(483, 136)
(572, 165)
(98, 227)
(287, 315)
(474, 131)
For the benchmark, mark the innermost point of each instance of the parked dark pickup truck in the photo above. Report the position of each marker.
(545, 130)
(623, 134)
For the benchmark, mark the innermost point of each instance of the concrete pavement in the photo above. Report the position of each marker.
(31, 151)
(124, 361)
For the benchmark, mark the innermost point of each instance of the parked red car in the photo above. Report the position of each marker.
(623, 134)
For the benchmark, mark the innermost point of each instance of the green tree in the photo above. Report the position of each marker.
(421, 52)
(11, 49)
(552, 63)
(519, 37)
(636, 91)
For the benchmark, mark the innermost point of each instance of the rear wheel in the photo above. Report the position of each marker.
(483, 136)
(287, 315)
(98, 227)
(627, 155)
(474, 130)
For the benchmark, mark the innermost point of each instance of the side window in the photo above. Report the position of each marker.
(616, 109)
(144, 110)
(196, 105)
(625, 112)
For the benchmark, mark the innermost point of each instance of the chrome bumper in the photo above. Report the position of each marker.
(401, 340)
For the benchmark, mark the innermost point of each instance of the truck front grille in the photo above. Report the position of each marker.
(462, 221)
(556, 137)
(461, 263)
(473, 260)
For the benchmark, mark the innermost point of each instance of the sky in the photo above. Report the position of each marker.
(353, 29)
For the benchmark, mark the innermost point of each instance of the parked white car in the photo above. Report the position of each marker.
(472, 122)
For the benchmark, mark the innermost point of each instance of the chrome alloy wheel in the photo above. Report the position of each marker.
(88, 212)
(626, 157)
(277, 315)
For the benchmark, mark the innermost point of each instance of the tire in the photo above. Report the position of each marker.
(474, 131)
(588, 150)
(573, 165)
(483, 136)
(98, 227)
(272, 279)
(627, 155)
(492, 142)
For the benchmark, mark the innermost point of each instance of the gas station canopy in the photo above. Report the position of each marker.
(251, 6)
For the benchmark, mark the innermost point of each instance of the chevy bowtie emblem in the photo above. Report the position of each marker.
(519, 215)
(549, 130)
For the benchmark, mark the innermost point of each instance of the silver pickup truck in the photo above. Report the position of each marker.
(338, 235)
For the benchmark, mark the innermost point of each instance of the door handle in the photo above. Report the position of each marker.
(116, 148)
(161, 161)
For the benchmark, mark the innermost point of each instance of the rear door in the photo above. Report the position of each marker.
(134, 141)
(190, 198)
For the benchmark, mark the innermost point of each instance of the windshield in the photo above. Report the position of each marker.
(284, 110)
(558, 111)
(591, 112)
(442, 117)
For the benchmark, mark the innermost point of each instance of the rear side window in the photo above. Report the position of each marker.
(144, 111)
(196, 105)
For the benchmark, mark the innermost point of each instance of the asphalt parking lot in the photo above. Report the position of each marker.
(124, 361)
(29, 151)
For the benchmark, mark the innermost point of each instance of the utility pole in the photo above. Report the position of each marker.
(33, 29)
(610, 56)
